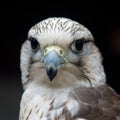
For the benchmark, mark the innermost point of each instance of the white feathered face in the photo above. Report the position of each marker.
(60, 52)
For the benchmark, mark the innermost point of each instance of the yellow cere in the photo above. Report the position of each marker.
(55, 48)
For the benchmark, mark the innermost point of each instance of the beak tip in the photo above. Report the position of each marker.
(51, 73)
(51, 79)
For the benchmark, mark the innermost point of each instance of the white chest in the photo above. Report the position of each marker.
(39, 105)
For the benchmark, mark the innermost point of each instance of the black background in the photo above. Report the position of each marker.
(16, 18)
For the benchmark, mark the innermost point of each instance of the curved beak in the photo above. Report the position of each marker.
(52, 61)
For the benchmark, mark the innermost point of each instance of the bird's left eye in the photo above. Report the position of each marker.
(34, 44)
(77, 46)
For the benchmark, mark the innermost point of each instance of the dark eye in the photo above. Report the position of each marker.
(77, 46)
(34, 43)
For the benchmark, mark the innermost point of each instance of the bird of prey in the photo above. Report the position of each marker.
(62, 74)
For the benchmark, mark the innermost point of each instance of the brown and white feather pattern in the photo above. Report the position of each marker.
(79, 90)
(100, 103)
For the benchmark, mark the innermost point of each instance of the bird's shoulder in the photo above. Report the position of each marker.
(97, 102)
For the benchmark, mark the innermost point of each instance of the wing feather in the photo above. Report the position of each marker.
(97, 103)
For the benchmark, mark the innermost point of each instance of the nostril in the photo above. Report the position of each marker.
(46, 50)
(61, 52)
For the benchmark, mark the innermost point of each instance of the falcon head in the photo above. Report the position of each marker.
(61, 53)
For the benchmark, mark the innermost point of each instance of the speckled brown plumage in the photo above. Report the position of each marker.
(101, 103)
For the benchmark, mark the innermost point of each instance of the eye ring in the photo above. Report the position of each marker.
(34, 43)
(77, 46)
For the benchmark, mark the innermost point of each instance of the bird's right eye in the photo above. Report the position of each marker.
(34, 44)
